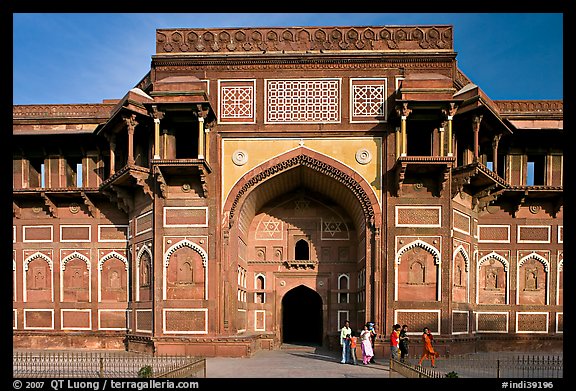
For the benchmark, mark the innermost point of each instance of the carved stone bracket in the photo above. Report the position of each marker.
(141, 180)
(16, 211)
(92, 210)
(51, 206)
(160, 179)
(444, 179)
(203, 175)
(124, 198)
(485, 196)
(400, 176)
(462, 179)
(300, 264)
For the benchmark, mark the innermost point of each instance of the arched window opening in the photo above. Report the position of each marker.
(302, 250)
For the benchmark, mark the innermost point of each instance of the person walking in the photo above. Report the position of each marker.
(345, 333)
(404, 341)
(367, 351)
(395, 341)
(428, 351)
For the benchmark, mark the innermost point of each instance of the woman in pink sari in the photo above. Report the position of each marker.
(367, 352)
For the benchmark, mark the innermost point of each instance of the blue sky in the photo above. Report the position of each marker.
(85, 58)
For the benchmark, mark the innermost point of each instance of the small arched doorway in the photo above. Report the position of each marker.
(302, 317)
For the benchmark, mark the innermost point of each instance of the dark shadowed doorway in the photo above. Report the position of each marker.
(302, 317)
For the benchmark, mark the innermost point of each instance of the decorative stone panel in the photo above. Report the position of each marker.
(112, 233)
(112, 320)
(76, 319)
(460, 322)
(368, 98)
(493, 233)
(461, 221)
(185, 320)
(38, 319)
(186, 216)
(236, 101)
(303, 101)
(532, 322)
(418, 216)
(39, 233)
(144, 321)
(492, 322)
(533, 234)
(143, 223)
(259, 320)
(75, 233)
(418, 319)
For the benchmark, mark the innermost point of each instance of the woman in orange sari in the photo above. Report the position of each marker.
(428, 351)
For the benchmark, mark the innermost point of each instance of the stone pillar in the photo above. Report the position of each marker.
(112, 154)
(201, 146)
(207, 131)
(398, 142)
(449, 136)
(476, 128)
(130, 125)
(495, 142)
(442, 141)
(158, 115)
(403, 112)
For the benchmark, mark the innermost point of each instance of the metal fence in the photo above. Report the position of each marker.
(103, 365)
(492, 365)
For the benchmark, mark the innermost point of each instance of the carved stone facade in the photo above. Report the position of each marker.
(258, 177)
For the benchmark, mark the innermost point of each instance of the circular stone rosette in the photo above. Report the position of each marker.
(240, 157)
(363, 156)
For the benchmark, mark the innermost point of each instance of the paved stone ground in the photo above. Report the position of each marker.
(294, 362)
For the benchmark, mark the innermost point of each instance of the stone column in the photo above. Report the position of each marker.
(403, 112)
(441, 133)
(495, 142)
(201, 146)
(476, 128)
(449, 113)
(158, 115)
(207, 131)
(130, 125)
(398, 142)
(112, 154)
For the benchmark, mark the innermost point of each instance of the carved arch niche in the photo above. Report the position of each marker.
(38, 285)
(492, 279)
(533, 275)
(75, 278)
(418, 265)
(185, 268)
(113, 278)
(144, 274)
(460, 275)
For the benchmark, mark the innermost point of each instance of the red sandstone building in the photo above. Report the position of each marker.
(260, 183)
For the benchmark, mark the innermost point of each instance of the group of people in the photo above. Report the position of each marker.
(349, 342)
(399, 343)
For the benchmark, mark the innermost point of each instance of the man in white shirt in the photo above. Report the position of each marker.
(345, 333)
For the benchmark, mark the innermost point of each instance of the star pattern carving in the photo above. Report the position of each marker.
(270, 227)
(301, 205)
(332, 226)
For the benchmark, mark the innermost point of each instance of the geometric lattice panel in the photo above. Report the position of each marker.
(186, 321)
(528, 322)
(418, 319)
(236, 103)
(303, 100)
(460, 322)
(492, 322)
(368, 100)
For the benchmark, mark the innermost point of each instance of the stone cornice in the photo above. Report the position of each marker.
(291, 39)
(63, 111)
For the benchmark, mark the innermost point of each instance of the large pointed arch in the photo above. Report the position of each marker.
(304, 157)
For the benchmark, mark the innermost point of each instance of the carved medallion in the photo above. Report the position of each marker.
(240, 157)
(363, 156)
(74, 208)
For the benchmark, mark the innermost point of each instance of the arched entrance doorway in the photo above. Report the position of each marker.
(302, 317)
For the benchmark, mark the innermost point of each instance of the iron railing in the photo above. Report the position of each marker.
(103, 365)
(485, 365)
